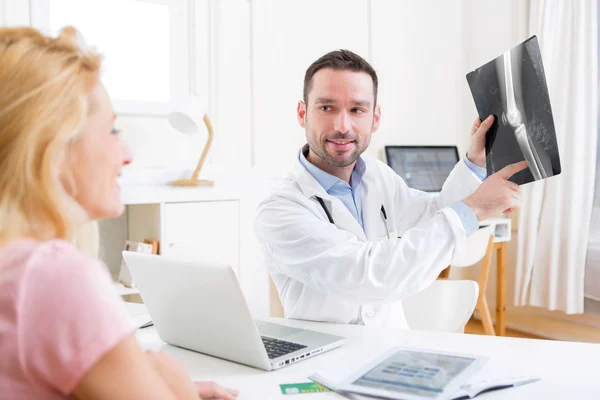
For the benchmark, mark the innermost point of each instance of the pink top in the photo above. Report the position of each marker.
(59, 314)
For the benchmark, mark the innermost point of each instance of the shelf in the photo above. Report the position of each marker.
(150, 186)
(170, 194)
(123, 290)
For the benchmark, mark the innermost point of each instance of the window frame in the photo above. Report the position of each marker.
(179, 50)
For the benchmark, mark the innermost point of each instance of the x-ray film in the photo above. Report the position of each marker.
(513, 88)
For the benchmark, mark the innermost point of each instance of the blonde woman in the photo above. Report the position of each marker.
(64, 332)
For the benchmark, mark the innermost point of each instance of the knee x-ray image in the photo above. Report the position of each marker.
(513, 88)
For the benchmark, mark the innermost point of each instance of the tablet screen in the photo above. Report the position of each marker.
(416, 373)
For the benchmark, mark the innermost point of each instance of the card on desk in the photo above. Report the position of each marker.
(305, 387)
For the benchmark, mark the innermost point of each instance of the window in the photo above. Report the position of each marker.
(144, 43)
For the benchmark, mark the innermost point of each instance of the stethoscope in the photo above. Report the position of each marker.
(330, 218)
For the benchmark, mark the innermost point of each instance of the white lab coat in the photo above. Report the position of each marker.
(340, 273)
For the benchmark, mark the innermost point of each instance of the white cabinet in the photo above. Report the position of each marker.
(209, 224)
(205, 231)
(199, 230)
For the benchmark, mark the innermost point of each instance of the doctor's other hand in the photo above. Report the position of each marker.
(476, 152)
(496, 194)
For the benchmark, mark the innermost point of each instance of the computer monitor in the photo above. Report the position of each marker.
(422, 167)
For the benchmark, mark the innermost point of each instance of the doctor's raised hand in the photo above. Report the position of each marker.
(496, 194)
(476, 152)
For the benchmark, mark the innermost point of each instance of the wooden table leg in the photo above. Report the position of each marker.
(482, 306)
(445, 273)
(500, 288)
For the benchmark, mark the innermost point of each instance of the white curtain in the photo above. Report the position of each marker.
(555, 217)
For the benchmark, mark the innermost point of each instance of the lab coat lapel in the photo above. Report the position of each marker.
(342, 217)
(371, 211)
(373, 197)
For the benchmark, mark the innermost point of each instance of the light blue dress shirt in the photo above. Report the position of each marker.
(467, 216)
(349, 194)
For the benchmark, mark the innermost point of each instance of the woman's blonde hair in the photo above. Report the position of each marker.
(45, 84)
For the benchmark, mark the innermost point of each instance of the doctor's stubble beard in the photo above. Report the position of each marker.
(319, 148)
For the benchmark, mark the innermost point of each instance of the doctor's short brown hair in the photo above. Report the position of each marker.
(339, 60)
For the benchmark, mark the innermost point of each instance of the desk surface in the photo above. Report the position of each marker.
(566, 369)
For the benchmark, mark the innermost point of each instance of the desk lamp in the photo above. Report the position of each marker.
(186, 119)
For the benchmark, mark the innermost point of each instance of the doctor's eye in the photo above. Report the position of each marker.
(325, 108)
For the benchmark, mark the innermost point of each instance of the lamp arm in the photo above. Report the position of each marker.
(206, 148)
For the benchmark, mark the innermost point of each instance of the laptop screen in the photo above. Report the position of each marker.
(422, 167)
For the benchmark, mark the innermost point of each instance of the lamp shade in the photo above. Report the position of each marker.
(187, 116)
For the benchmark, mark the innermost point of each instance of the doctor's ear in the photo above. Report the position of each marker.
(376, 118)
(301, 113)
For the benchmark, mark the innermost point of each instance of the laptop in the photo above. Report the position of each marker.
(199, 306)
(424, 168)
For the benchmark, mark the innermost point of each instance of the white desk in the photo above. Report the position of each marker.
(567, 370)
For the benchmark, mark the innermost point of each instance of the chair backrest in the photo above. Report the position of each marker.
(476, 247)
(444, 306)
(275, 306)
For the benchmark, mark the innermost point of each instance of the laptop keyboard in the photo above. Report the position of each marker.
(277, 348)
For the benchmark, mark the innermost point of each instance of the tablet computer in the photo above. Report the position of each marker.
(413, 374)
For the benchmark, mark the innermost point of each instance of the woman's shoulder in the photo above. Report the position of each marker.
(26, 247)
(28, 258)
(28, 250)
(56, 249)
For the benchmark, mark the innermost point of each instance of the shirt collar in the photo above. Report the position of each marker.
(359, 171)
(326, 180)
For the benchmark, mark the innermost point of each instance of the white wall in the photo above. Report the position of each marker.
(421, 50)
(232, 109)
(491, 27)
(220, 73)
(14, 13)
(249, 59)
(287, 37)
(419, 55)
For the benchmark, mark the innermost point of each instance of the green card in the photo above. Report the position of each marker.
(297, 388)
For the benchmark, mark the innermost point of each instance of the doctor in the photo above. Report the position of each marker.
(344, 238)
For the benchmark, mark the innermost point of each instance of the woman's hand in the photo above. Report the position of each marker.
(174, 374)
(210, 390)
(180, 383)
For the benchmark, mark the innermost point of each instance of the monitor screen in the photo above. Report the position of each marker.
(422, 167)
